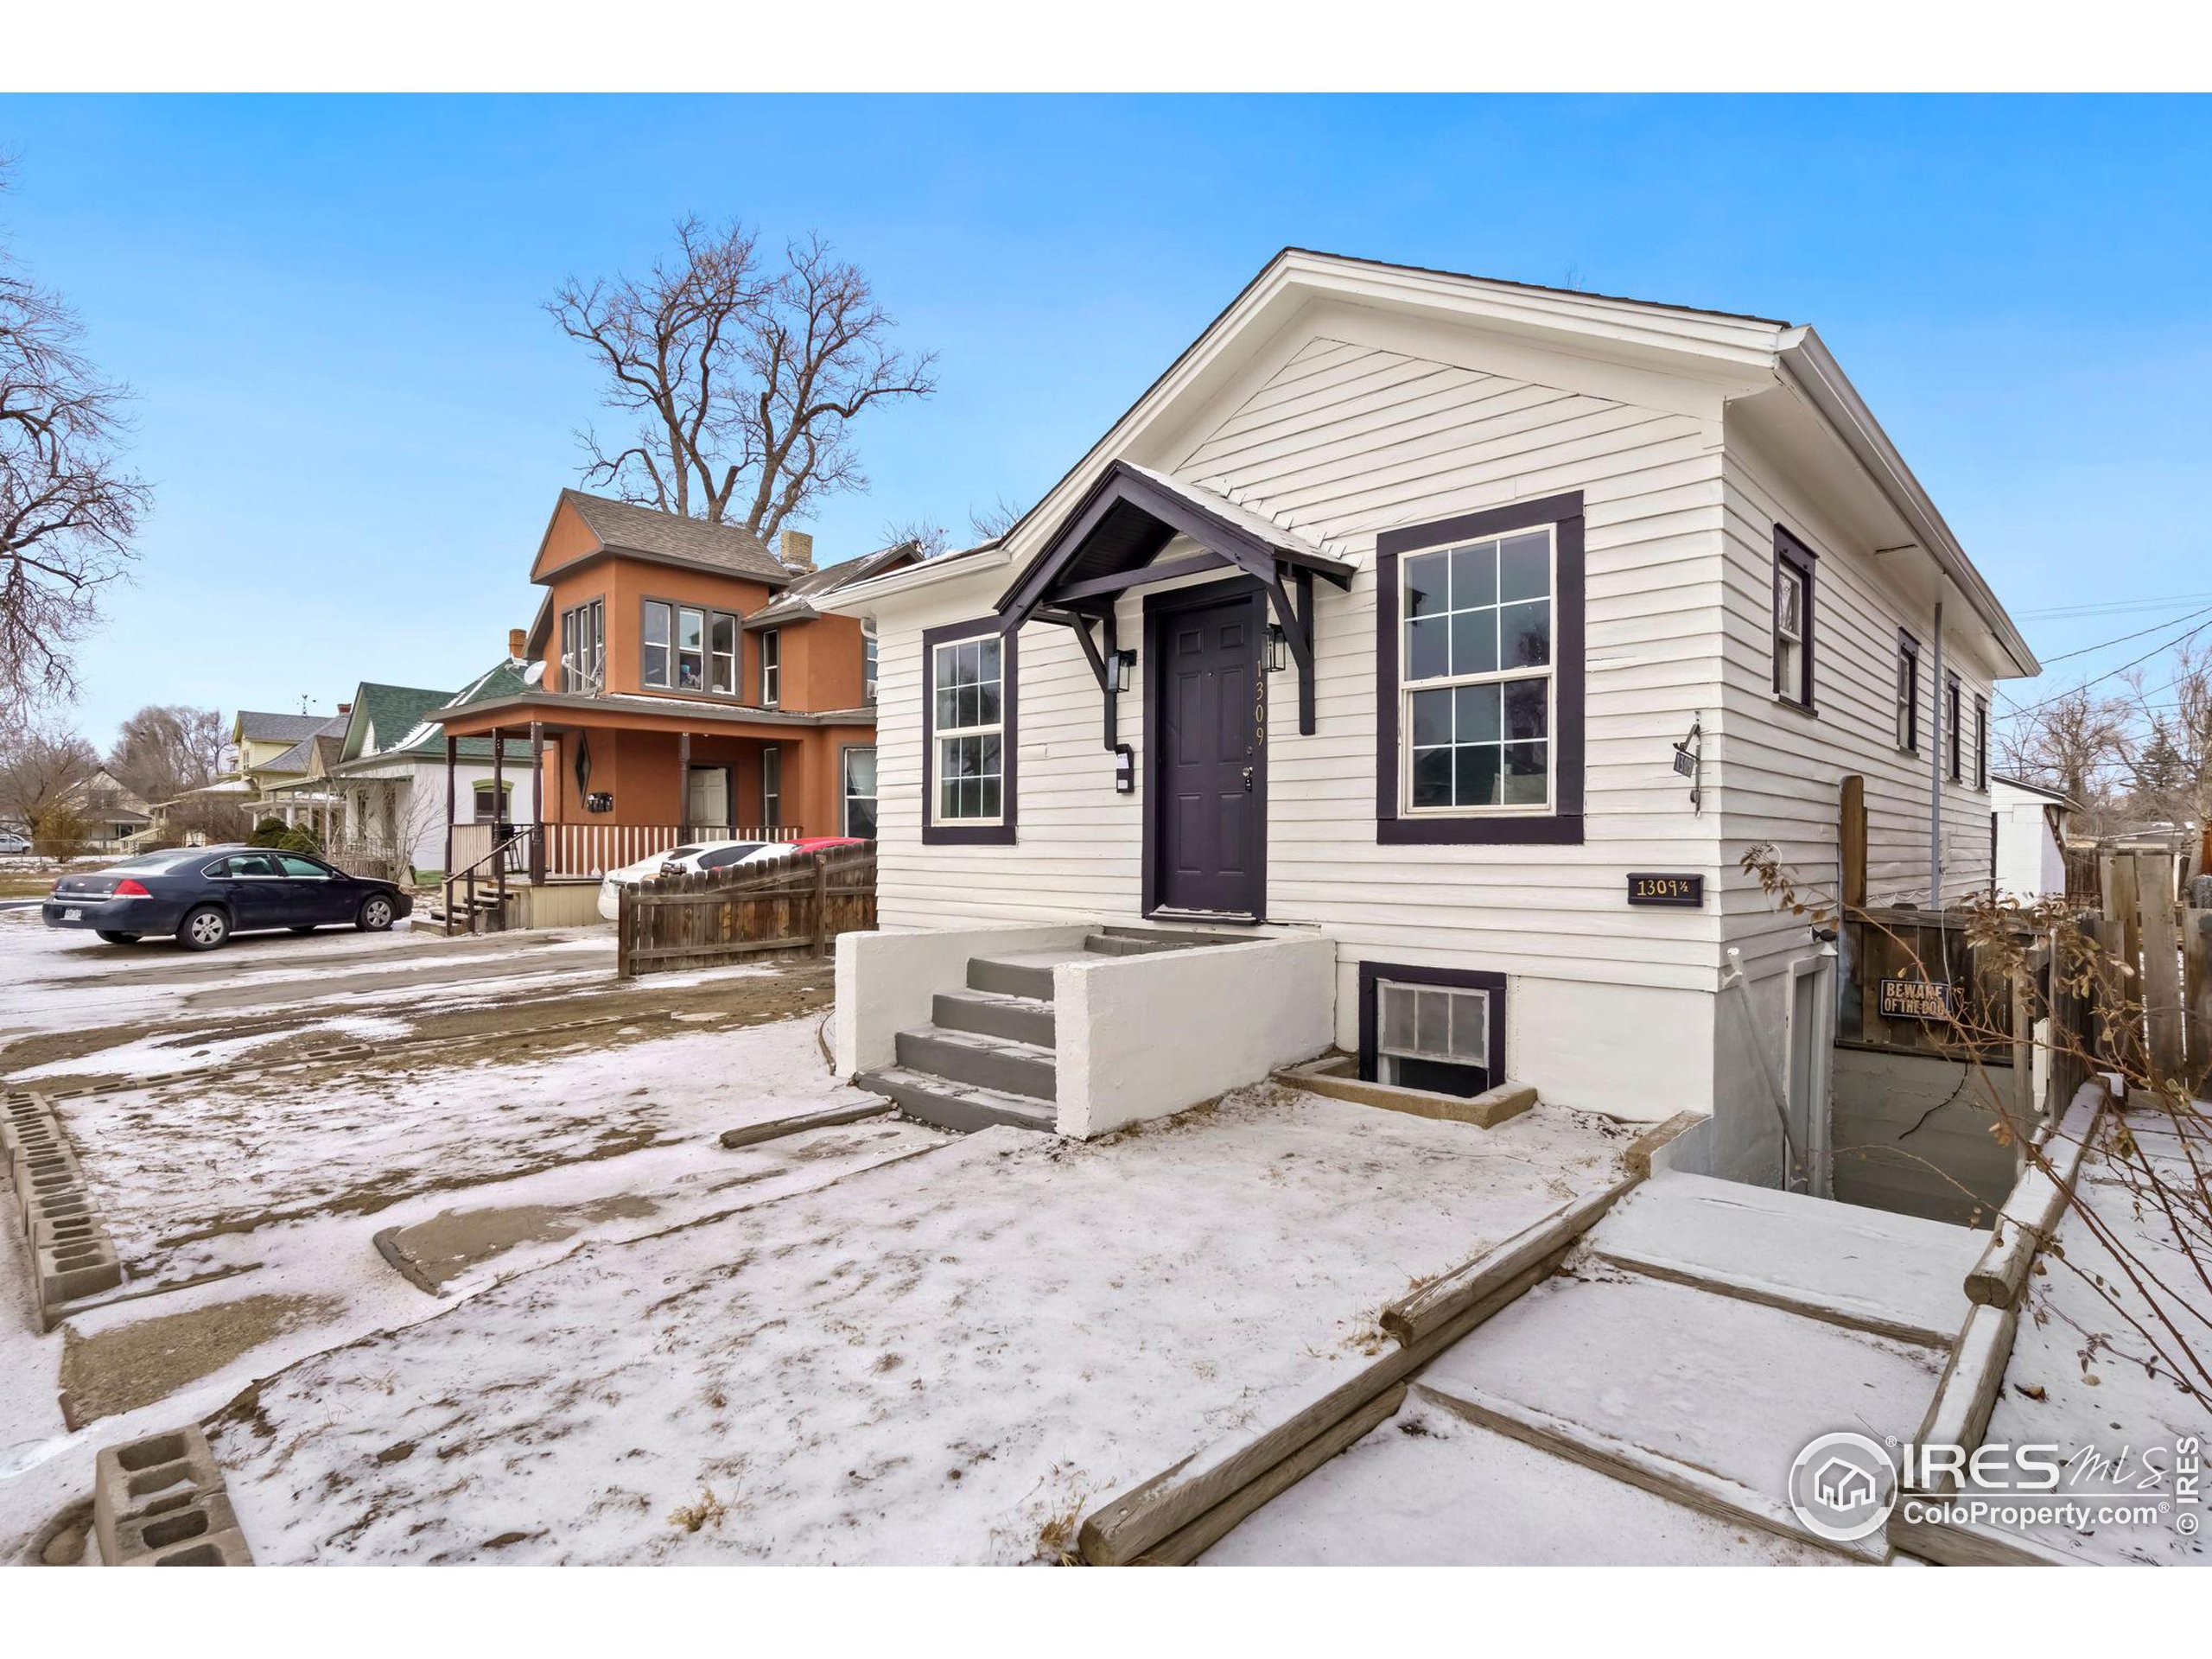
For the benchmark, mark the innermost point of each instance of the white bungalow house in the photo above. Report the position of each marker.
(1443, 642)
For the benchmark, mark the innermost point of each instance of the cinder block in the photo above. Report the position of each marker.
(169, 1529)
(68, 1205)
(35, 1193)
(154, 1475)
(216, 1549)
(35, 1157)
(68, 1270)
(63, 1230)
(36, 1129)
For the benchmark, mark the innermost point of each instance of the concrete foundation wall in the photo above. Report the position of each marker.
(1141, 1037)
(886, 981)
(1912, 1136)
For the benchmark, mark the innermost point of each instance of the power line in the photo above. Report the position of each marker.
(2186, 634)
(2109, 607)
(2185, 617)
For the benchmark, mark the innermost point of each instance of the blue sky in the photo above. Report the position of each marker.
(355, 415)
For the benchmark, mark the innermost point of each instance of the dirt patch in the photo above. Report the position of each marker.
(432, 1254)
(501, 1029)
(135, 1365)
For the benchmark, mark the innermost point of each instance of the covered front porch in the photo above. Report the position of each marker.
(617, 780)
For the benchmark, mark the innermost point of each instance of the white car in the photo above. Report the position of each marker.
(692, 855)
(11, 843)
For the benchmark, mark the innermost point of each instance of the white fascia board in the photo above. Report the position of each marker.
(863, 597)
(1807, 368)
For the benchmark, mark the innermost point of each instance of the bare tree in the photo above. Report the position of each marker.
(923, 532)
(2073, 742)
(2171, 767)
(743, 383)
(992, 522)
(167, 748)
(67, 509)
(43, 778)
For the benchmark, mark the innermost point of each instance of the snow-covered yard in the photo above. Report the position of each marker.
(2084, 1377)
(943, 1358)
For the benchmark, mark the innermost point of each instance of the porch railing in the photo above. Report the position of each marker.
(587, 851)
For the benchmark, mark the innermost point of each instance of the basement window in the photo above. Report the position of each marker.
(1432, 1029)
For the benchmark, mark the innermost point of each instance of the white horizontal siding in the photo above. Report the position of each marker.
(1340, 442)
(1778, 773)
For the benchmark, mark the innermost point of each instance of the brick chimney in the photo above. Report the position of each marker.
(345, 708)
(517, 642)
(798, 551)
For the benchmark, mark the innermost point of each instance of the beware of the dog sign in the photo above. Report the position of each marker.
(1917, 999)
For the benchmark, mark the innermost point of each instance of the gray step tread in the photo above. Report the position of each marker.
(980, 1060)
(1899, 1275)
(984, 1006)
(916, 1092)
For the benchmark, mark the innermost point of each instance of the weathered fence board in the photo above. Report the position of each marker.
(798, 904)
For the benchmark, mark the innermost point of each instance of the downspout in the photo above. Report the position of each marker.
(1936, 773)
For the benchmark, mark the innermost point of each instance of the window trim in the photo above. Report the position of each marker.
(502, 809)
(594, 610)
(676, 609)
(1003, 833)
(1793, 555)
(1371, 974)
(1908, 653)
(772, 800)
(772, 667)
(1561, 824)
(1954, 759)
(845, 796)
(1981, 743)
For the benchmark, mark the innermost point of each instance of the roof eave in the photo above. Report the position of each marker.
(1808, 367)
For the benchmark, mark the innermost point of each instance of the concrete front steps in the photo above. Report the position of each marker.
(988, 1055)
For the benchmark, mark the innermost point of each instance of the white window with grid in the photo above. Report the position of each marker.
(969, 715)
(1789, 631)
(1432, 1037)
(1475, 672)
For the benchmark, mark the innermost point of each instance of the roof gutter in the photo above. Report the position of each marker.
(1807, 368)
(857, 599)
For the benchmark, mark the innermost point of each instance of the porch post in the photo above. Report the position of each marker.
(537, 800)
(452, 744)
(684, 786)
(499, 796)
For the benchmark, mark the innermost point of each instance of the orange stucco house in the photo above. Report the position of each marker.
(678, 682)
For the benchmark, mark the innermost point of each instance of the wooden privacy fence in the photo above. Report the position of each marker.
(793, 905)
(2167, 946)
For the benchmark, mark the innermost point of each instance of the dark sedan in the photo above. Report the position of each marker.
(204, 894)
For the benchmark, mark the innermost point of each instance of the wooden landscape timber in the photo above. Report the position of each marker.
(2039, 1197)
(1235, 1476)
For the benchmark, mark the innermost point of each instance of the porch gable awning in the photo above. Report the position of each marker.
(1109, 544)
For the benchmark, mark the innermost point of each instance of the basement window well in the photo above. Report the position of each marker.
(1433, 1029)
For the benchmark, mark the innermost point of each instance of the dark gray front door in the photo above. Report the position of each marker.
(1209, 777)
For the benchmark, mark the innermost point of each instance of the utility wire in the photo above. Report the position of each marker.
(2186, 634)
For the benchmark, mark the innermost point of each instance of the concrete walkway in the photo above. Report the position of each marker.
(1646, 1404)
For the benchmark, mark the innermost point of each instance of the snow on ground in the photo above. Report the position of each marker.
(700, 1082)
(155, 1055)
(932, 1360)
(2100, 1391)
(47, 975)
(176, 1168)
(1429, 1488)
